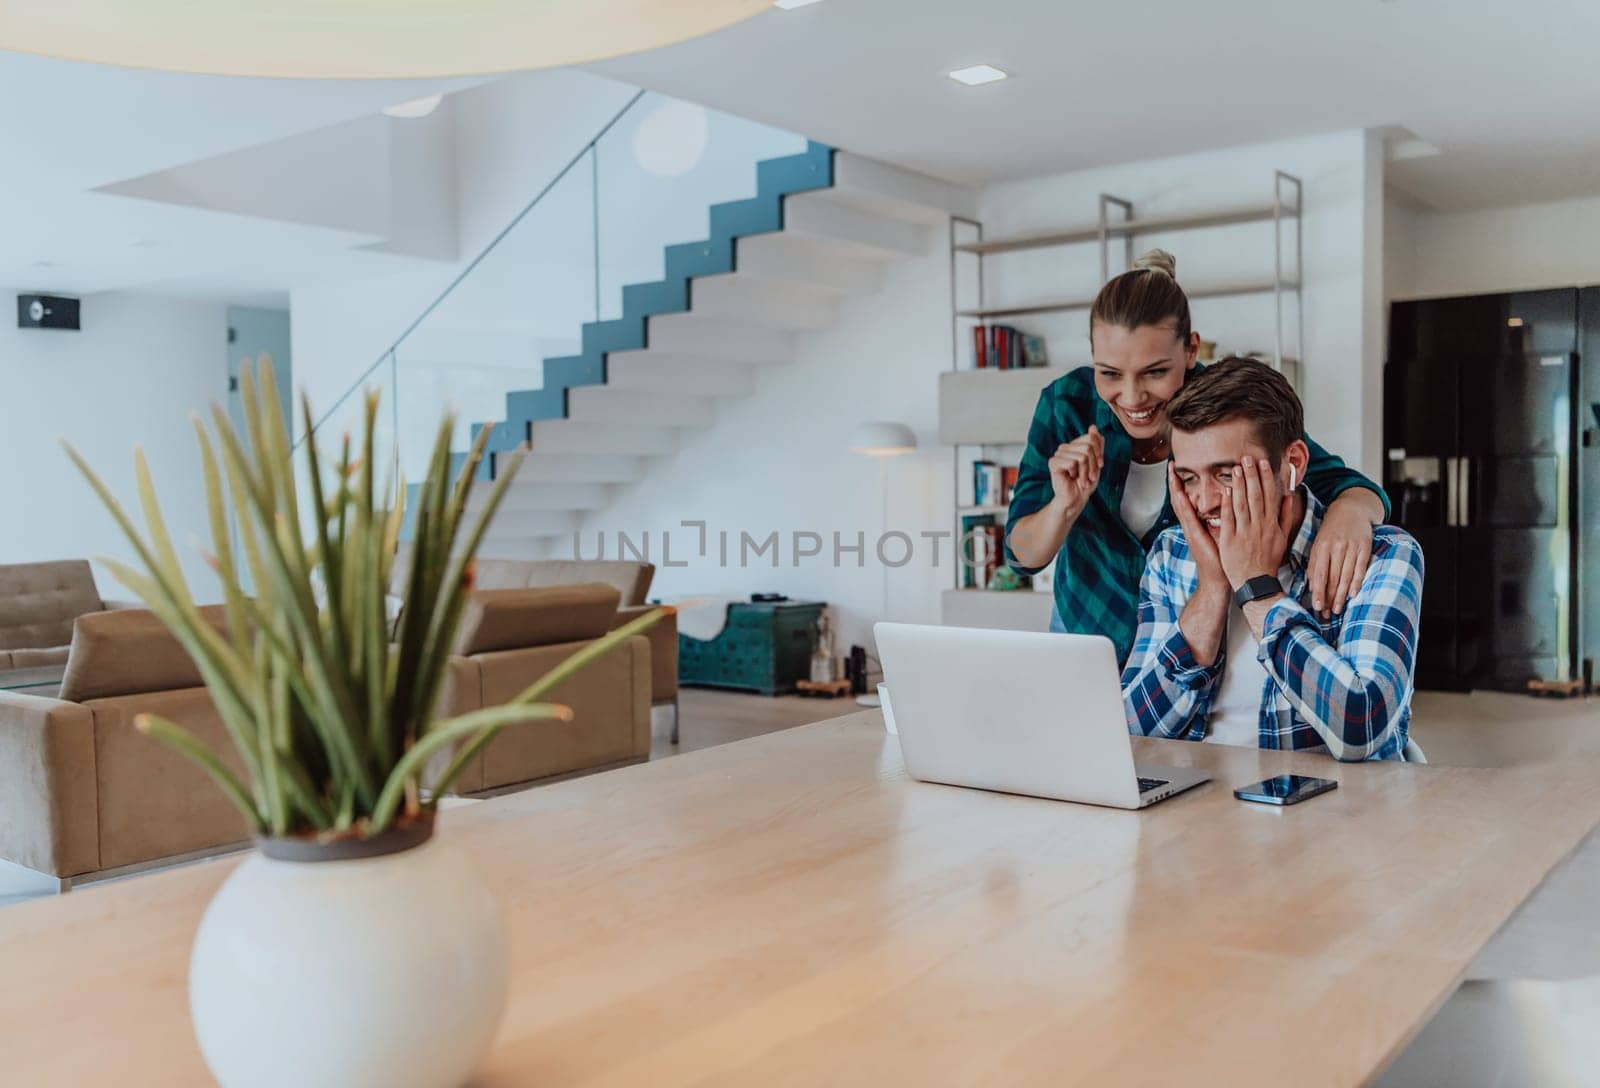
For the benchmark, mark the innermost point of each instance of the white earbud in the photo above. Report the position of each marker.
(1294, 480)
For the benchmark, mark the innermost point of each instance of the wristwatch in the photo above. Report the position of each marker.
(1262, 585)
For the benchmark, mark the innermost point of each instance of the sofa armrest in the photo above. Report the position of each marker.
(663, 650)
(49, 807)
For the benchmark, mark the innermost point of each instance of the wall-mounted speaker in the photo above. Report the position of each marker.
(46, 312)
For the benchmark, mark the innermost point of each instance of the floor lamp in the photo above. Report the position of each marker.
(882, 440)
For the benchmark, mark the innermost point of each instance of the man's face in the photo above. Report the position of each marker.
(1205, 461)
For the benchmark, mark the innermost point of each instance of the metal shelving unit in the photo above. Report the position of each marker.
(1114, 231)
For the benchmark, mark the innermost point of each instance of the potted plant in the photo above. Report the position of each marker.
(353, 947)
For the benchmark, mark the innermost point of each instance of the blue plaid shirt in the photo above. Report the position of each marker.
(1099, 565)
(1343, 686)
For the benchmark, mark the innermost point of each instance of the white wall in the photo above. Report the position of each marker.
(1527, 247)
(1342, 355)
(131, 377)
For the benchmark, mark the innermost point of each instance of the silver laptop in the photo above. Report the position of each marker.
(1017, 711)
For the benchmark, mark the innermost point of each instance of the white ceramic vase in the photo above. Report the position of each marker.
(386, 970)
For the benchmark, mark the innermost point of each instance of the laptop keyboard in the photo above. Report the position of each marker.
(1148, 784)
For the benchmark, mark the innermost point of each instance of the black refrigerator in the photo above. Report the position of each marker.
(1485, 450)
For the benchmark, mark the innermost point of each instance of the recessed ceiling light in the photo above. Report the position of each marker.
(417, 107)
(977, 74)
(788, 5)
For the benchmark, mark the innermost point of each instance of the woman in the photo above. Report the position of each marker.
(1091, 493)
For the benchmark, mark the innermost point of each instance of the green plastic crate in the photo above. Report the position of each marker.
(763, 647)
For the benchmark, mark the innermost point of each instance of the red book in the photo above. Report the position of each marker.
(1002, 347)
(1008, 483)
(980, 347)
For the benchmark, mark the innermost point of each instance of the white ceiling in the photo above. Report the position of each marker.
(1507, 92)
(74, 128)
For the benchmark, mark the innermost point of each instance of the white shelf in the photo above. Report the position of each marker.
(1261, 213)
(990, 407)
(988, 509)
(1056, 306)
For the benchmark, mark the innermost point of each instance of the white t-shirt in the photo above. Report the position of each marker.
(1236, 708)
(1144, 496)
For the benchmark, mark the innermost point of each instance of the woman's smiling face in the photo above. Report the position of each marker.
(1137, 371)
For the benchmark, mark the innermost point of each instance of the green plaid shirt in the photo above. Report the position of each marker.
(1098, 568)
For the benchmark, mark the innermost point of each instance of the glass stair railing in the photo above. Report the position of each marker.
(658, 197)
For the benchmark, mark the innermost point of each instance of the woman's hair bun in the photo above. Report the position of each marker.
(1157, 260)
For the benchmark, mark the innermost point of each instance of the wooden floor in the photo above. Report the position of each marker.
(708, 717)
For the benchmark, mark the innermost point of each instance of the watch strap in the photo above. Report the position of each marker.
(1262, 585)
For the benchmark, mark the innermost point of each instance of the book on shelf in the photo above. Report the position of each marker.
(981, 553)
(976, 549)
(1004, 347)
(986, 483)
(1008, 483)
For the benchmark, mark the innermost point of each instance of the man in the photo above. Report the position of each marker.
(1228, 649)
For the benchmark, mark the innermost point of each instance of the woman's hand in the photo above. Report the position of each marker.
(1202, 548)
(1341, 552)
(1075, 469)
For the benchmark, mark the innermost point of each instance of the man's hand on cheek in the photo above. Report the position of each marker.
(1253, 540)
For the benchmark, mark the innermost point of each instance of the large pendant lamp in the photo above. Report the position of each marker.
(356, 39)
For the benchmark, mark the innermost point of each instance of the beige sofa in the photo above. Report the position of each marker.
(512, 637)
(631, 579)
(82, 793)
(38, 602)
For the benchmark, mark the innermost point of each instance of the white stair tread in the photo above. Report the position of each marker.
(898, 193)
(527, 494)
(823, 219)
(780, 258)
(656, 370)
(602, 403)
(718, 338)
(599, 468)
(579, 436)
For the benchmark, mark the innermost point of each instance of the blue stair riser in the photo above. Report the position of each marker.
(761, 214)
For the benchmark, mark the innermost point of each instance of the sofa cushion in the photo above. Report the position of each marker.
(128, 652)
(632, 579)
(40, 658)
(155, 802)
(610, 700)
(39, 601)
(509, 619)
(501, 574)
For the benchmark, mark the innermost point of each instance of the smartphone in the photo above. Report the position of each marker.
(1285, 789)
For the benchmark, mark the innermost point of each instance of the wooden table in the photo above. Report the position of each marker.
(792, 910)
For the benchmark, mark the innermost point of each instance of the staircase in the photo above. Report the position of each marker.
(821, 228)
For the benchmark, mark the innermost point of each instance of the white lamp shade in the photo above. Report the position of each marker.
(357, 39)
(881, 438)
